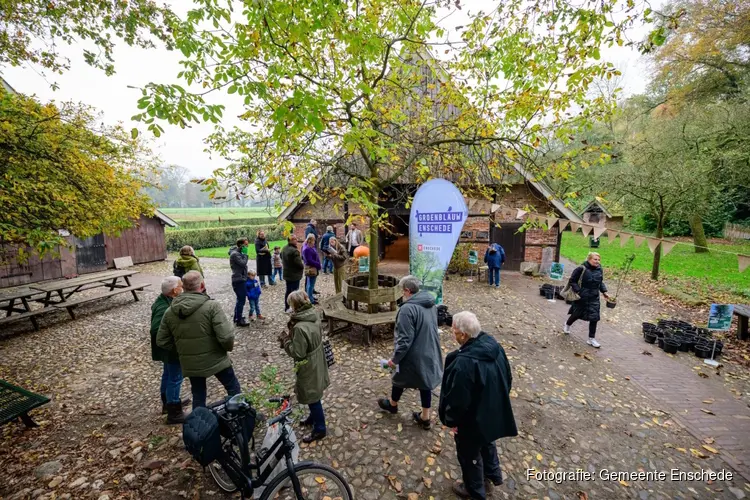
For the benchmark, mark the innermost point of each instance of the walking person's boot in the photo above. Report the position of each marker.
(175, 415)
(183, 402)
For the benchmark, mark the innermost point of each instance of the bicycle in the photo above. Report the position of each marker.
(236, 468)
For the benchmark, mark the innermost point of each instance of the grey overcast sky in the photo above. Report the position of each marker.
(137, 67)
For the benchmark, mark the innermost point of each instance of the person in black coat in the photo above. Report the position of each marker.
(587, 281)
(263, 264)
(475, 400)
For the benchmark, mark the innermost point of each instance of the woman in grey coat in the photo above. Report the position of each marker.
(417, 359)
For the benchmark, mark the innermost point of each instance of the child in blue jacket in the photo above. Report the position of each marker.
(494, 257)
(252, 287)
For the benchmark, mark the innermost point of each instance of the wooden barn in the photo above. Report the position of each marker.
(144, 242)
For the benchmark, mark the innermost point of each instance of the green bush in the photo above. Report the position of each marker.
(209, 224)
(220, 236)
(460, 260)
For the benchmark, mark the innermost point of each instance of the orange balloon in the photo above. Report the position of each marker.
(361, 251)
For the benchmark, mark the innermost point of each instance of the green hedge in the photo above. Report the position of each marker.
(220, 236)
(210, 224)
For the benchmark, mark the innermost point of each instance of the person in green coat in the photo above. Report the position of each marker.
(171, 378)
(197, 327)
(186, 262)
(304, 343)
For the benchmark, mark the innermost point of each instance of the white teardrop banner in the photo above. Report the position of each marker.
(586, 229)
(520, 213)
(599, 231)
(562, 224)
(611, 235)
(574, 226)
(639, 240)
(551, 221)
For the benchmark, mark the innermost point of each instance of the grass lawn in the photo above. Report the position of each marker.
(223, 252)
(703, 271)
(209, 214)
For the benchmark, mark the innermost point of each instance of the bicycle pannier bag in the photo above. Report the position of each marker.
(201, 436)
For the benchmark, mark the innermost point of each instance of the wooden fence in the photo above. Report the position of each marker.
(736, 231)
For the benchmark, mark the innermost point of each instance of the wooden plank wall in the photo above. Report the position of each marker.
(144, 242)
(13, 273)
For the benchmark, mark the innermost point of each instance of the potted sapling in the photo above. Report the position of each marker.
(624, 270)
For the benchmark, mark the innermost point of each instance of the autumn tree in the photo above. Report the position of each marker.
(352, 93)
(59, 170)
(32, 31)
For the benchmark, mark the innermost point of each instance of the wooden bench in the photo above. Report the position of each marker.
(27, 315)
(69, 305)
(17, 403)
(742, 313)
(335, 310)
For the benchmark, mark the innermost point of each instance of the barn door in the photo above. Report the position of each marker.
(512, 242)
(90, 254)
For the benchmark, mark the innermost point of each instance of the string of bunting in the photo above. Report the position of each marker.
(612, 234)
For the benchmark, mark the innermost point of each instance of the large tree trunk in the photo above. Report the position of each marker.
(699, 235)
(374, 198)
(657, 252)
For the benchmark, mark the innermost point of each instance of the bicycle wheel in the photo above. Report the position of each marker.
(317, 481)
(221, 477)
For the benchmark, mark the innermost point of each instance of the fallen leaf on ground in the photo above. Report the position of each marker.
(702, 375)
(427, 482)
(395, 483)
(707, 411)
(710, 448)
(430, 461)
(412, 496)
(698, 453)
(407, 459)
(582, 495)
(624, 483)
(646, 353)
(709, 440)
(708, 401)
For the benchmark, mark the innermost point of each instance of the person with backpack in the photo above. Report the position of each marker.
(587, 281)
(325, 243)
(186, 262)
(494, 257)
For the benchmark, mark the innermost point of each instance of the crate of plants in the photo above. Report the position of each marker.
(676, 335)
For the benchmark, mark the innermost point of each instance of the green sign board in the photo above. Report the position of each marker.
(473, 257)
(364, 264)
(556, 271)
(720, 316)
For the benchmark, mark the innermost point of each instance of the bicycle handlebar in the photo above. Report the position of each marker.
(281, 416)
(279, 399)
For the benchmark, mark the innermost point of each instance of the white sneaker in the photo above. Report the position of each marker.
(593, 343)
(566, 329)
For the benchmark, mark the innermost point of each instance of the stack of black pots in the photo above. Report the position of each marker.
(676, 335)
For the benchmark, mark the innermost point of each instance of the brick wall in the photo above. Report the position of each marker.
(476, 224)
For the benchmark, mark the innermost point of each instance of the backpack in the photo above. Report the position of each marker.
(178, 270)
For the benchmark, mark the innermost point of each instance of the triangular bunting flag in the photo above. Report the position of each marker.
(611, 235)
(744, 261)
(551, 221)
(586, 229)
(574, 226)
(624, 237)
(495, 208)
(667, 246)
(639, 240)
(653, 243)
(562, 224)
(599, 231)
(520, 213)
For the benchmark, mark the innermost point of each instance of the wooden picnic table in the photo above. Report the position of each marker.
(56, 294)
